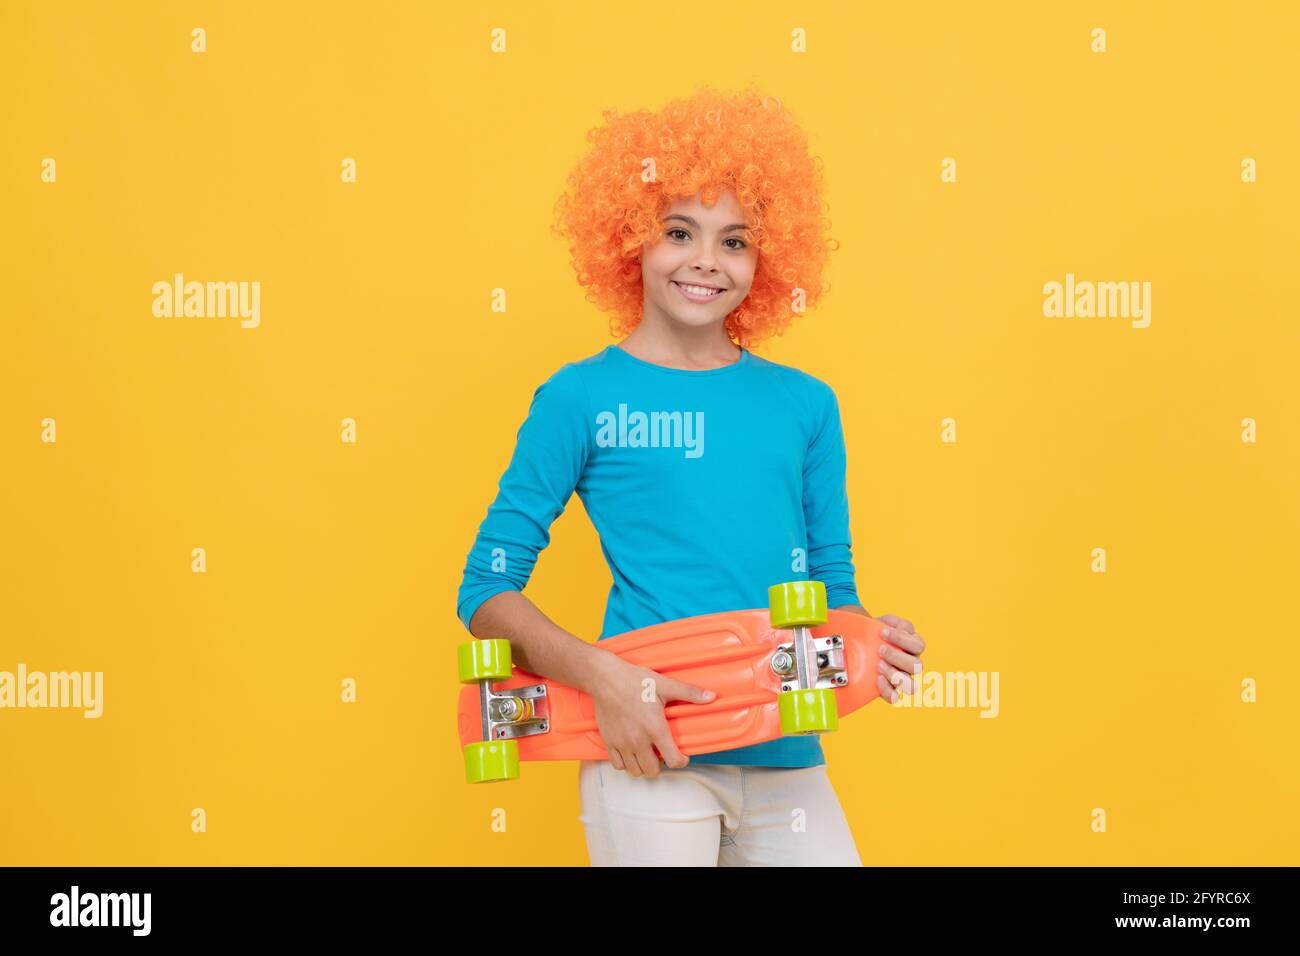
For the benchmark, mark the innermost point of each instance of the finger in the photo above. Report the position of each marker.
(907, 640)
(893, 620)
(668, 749)
(669, 689)
(616, 759)
(886, 691)
(905, 662)
(633, 765)
(897, 679)
(649, 763)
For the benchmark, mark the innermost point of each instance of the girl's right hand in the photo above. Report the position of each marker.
(629, 702)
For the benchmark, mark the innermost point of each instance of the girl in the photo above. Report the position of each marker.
(709, 473)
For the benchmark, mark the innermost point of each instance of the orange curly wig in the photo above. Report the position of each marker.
(701, 145)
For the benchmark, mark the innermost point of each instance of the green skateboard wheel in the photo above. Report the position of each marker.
(805, 712)
(492, 760)
(797, 604)
(481, 660)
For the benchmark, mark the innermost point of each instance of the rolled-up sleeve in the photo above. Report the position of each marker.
(826, 507)
(551, 450)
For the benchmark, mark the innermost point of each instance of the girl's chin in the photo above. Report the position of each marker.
(695, 320)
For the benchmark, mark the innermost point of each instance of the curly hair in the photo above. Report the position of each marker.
(641, 162)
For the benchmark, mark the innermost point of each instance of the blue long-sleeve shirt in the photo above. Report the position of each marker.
(706, 487)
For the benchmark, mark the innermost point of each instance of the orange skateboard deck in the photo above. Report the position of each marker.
(732, 653)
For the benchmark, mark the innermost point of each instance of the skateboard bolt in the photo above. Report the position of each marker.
(510, 708)
(782, 662)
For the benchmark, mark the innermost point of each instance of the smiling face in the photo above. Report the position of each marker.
(701, 268)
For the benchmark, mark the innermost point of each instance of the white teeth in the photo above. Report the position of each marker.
(698, 289)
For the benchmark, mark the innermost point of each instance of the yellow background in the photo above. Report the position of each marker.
(327, 560)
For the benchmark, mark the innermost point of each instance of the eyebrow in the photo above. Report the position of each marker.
(734, 225)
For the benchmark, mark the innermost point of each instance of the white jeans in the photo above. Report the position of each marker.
(713, 815)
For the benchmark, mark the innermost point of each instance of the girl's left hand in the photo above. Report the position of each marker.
(900, 658)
